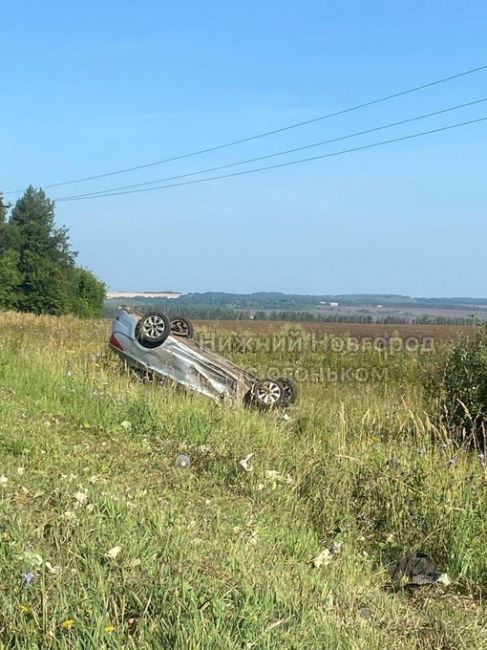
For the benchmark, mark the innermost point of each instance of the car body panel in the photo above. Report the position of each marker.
(181, 360)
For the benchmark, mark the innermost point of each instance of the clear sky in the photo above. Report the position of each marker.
(89, 87)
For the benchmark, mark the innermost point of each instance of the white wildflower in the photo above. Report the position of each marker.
(274, 477)
(326, 556)
(323, 558)
(70, 515)
(81, 498)
(113, 553)
(55, 570)
(3, 481)
(336, 548)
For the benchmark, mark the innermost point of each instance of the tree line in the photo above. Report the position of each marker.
(38, 270)
(220, 313)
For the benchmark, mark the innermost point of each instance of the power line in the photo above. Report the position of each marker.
(284, 164)
(278, 153)
(266, 133)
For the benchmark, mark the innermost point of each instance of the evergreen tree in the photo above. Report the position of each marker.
(37, 266)
(45, 260)
(10, 279)
(3, 225)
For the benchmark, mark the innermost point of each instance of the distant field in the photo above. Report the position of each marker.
(358, 330)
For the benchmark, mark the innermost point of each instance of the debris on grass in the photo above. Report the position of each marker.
(245, 463)
(416, 570)
(183, 461)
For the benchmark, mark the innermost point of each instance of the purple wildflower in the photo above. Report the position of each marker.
(27, 578)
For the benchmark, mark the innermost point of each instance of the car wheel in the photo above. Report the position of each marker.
(182, 327)
(290, 390)
(268, 393)
(153, 329)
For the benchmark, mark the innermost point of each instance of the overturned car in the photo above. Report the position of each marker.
(155, 347)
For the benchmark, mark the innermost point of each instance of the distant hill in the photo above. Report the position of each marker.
(350, 308)
(275, 300)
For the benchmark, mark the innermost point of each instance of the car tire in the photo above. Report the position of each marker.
(268, 394)
(153, 329)
(290, 389)
(182, 327)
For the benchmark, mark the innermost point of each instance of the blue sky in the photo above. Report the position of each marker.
(91, 87)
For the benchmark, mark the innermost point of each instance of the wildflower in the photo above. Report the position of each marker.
(326, 556)
(25, 609)
(481, 458)
(32, 557)
(3, 481)
(52, 569)
(70, 515)
(20, 471)
(322, 559)
(81, 497)
(113, 553)
(67, 624)
(109, 629)
(126, 425)
(28, 577)
(274, 476)
(245, 463)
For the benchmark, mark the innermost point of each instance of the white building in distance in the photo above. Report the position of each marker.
(142, 294)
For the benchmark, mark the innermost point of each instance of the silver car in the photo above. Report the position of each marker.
(155, 347)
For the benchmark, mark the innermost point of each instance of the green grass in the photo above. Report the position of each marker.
(213, 556)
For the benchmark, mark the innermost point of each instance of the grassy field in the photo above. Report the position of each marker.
(105, 543)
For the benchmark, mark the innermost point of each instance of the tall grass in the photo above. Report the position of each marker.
(105, 543)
